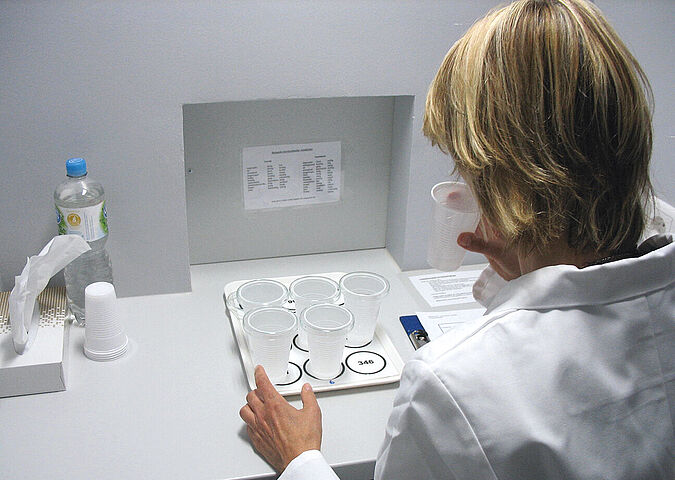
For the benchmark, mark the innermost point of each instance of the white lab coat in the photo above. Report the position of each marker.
(569, 375)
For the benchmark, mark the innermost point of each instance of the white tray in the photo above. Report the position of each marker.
(374, 364)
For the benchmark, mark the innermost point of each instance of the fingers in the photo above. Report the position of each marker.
(254, 401)
(247, 415)
(265, 388)
(452, 196)
(308, 398)
(254, 417)
(257, 440)
(265, 401)
(473, 243)
(253, 435)
(267, 449)
(277, 430)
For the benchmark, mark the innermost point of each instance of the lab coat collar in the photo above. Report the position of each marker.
(562, 286)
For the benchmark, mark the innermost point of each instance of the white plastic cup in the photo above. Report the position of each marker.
(104, 338)
(309, 290)
(261, 293)
(363, 293)
(327, 326)
(270, 331)
(455, 211)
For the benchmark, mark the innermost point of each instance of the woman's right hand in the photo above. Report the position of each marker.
(488, 242)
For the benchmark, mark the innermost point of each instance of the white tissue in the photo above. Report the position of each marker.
(24, 311)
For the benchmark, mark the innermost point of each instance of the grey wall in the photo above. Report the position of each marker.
(647, 28)
(107, 80)
(219, 227)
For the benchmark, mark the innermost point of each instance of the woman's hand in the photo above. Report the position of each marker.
(488, 242)
(278, 431)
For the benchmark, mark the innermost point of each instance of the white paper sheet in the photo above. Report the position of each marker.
(438, 323)
(446, 288)
(290, 175)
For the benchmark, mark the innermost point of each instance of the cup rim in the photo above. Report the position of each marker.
(446, 183)
(472, 203)
(381, 293)
(280, 299)
(251, 329)
(308, 325)
(331, 282)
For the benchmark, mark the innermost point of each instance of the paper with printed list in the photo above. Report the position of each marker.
(291, 175)
(438, 323)
(446, 288)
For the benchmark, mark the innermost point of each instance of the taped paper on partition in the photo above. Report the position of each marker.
(291, 175)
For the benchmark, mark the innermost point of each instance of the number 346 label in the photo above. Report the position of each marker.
(365, 362)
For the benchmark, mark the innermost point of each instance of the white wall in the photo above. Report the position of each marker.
(106, 80)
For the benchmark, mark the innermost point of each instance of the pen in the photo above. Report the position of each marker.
(415, 331)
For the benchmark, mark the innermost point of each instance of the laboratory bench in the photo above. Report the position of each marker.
(170, 407)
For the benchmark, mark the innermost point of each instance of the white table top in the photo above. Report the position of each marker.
(170, 407)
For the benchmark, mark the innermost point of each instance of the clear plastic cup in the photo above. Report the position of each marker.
(455, 211)
(270, 331)
(363, 293)
(261, 293)
(104, 338)
(327, 326)
(309, 290)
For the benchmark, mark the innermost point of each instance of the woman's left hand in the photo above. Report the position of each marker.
(279, 431)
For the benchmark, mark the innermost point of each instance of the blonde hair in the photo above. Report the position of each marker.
(547, 115)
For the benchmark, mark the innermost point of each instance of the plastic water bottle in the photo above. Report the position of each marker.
(80, 210)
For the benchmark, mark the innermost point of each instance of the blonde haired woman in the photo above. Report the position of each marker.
(571, 372)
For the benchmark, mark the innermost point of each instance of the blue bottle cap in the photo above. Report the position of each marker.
(76, 167)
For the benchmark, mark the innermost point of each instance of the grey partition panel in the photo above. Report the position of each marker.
(220, 229)
(400, 176)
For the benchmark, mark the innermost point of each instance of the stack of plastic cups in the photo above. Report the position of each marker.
(454, 211)
(261, 293)
(327, 326)
(270, 332)
(363, 293)
(104, 338)
(310, 290)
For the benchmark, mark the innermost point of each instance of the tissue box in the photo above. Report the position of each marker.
(42, 368)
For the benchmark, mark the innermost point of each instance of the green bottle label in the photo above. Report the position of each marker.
(91, 223)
